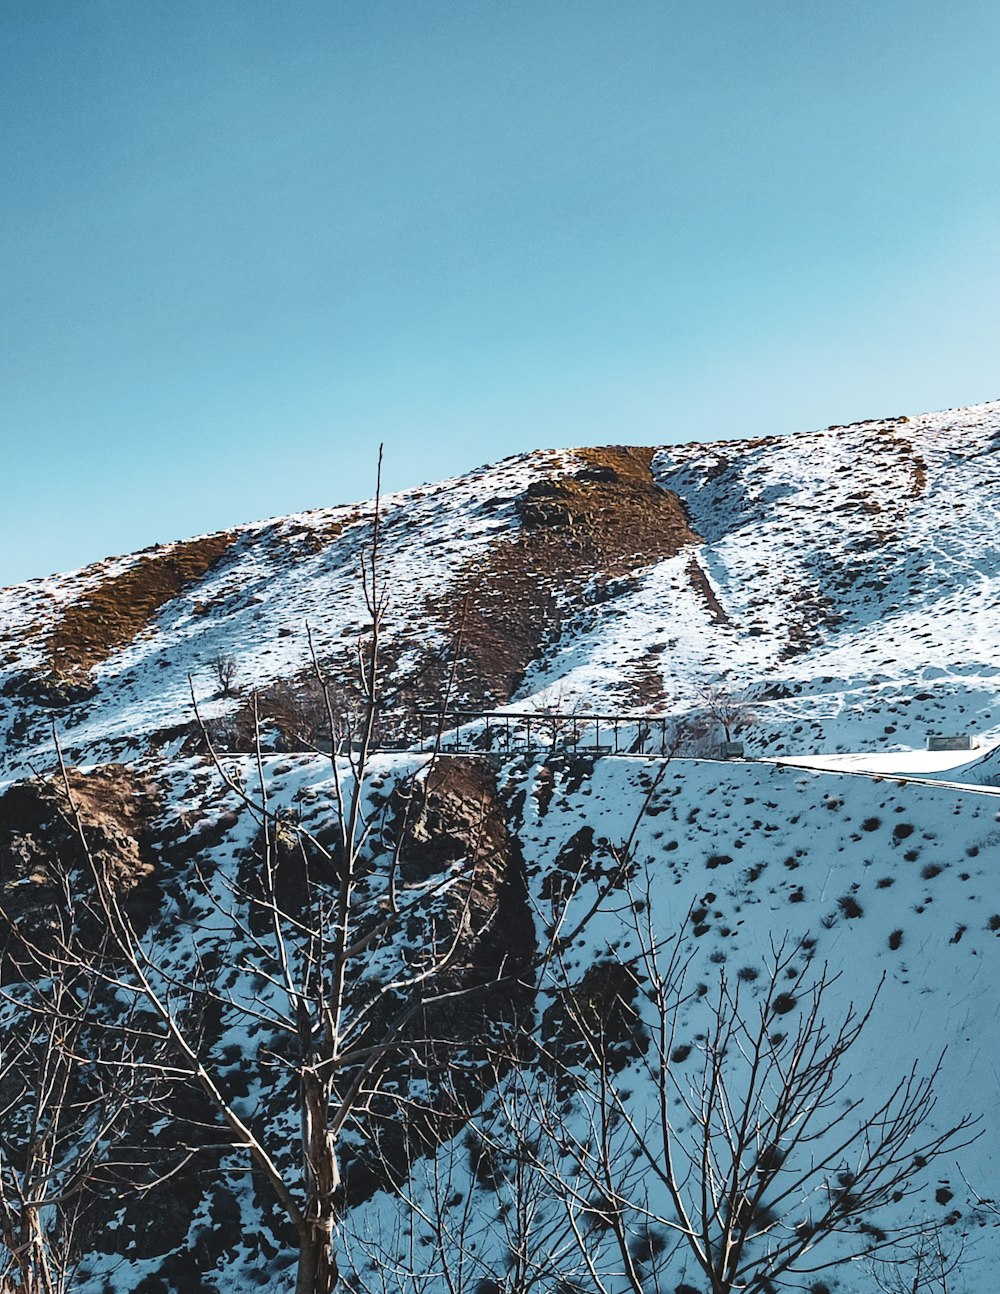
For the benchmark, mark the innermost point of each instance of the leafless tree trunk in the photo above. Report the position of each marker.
(305, 953)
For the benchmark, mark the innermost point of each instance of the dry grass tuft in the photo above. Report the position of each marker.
(112, 614)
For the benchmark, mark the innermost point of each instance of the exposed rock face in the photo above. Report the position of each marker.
(43, 864)
(455, 819)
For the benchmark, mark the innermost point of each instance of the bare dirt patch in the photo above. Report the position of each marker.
(701, 586)
(642, 682)
(915, 463)
(595, 524)
(114, 612)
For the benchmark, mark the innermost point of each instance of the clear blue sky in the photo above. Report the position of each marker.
(242, 242)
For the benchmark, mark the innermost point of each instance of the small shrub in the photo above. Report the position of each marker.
(895, 939)
(850, 907)
(783, 1003)
(871, 824)
(901, 830)
(930, 871)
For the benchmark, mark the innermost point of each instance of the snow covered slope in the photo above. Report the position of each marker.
(843, 584)
(848, 579)
(863, 877)
(878, 882)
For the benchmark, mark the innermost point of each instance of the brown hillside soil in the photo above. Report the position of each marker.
(642, 685)
(600, 522)
(114, 612)
(912, 461)
(604, 520)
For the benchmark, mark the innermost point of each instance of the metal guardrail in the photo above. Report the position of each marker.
(514, 731)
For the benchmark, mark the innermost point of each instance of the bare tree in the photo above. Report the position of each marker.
(728, 708)
(66, 1106)
(740, 1153)
(558, 717)
(752, 1150)
(927, 1263)
(225, 668)
(329, 1038)
(304, 951)
(304, 928)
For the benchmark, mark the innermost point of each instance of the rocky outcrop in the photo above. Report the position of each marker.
(455, 820)
(45, 836)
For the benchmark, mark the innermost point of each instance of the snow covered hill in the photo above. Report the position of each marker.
(843, 586)
(848, 580)
(867, 879)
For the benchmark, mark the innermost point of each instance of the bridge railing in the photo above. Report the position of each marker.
(505, 731)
